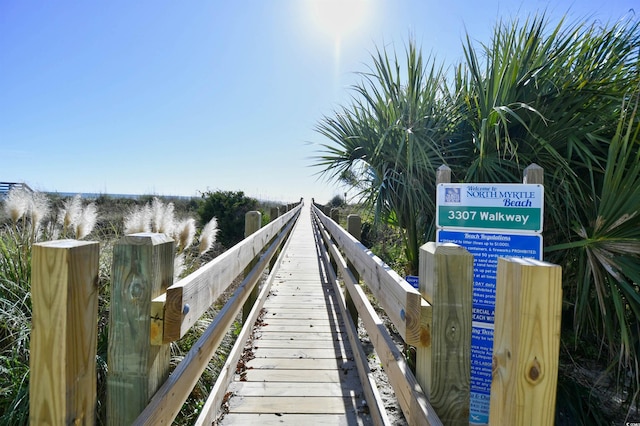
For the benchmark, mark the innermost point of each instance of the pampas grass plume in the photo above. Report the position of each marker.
(178, 266)
(208, 236)
(184, 233)
(38, 209)
(162, 218)
(69, 213)
(138, 220)
(87, 221)
(16, 204)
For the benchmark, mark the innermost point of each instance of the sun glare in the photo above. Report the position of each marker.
(337, 18)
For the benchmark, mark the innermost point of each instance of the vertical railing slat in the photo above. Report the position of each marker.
(526, 343)
(443, 368)
(142, 270)
(252, 224)
(64, 292)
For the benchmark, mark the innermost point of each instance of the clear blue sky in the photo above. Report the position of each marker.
(173, 98)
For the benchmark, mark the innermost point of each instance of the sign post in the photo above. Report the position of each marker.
(490, 221)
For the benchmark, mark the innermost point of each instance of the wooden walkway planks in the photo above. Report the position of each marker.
(303, 370)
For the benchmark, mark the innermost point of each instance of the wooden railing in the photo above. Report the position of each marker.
(147, 312)
(437, 320)
(5, 187)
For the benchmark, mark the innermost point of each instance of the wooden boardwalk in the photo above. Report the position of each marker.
(302, 371)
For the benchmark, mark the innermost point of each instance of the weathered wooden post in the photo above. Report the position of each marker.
(64, 295)
(354, 227)
(443, 174)
(274, 213)
(142, 270)
(252, 223)
(443, 368)
(335, 215)
(526, 342)
(533, 174)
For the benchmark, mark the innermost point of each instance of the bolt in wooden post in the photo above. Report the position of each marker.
(252, 223)
(526, 342)
(443, 368)
(64, 295)
(142, 270)
(354, 227)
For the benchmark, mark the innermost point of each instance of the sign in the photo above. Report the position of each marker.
(414, 280)
(507, 207)
(490, 221)
(486, 247)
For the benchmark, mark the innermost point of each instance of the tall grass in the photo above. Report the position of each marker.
(27, 218)
(29, 222)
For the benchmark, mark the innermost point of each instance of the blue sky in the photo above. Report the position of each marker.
(177, 98)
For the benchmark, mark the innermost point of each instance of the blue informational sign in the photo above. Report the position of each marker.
(414, 280)
(486, 248)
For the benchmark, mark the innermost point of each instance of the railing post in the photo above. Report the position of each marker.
(142, 270)
(335, 215)
(533, 174)
(354, 227)
(443, 368)
(526, 342)
(273, 212)
(252, 223)
(62, 362)
(443, 174)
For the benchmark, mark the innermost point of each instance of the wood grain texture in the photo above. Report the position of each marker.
(526, 342)
(64, 291)
(142, 271)
(444, 367)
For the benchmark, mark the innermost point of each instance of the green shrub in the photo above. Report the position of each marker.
(229, 208)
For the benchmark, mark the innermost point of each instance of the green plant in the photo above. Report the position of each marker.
(391, 139)
(230, 209)
(564, 97)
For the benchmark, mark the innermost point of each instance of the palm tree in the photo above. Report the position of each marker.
(564, 97)
(388, 142)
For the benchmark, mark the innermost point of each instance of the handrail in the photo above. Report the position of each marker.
(185, 301)
(411, 397)
(404, 305)
(167, 401)
(5, 187)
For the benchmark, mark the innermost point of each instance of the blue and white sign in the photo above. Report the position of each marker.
(414, 280)
(486, 247)
(508, 207)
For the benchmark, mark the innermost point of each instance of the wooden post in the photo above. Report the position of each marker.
(252, 223)
(443, 174)
(273, 212)
(354, 227)
(533, 174)
(142, 270)
(443, 368)
(64, 295)
(526, 342)
(335, 215)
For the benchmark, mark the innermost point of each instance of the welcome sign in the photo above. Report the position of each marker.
(507, 207)
(490, 221)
